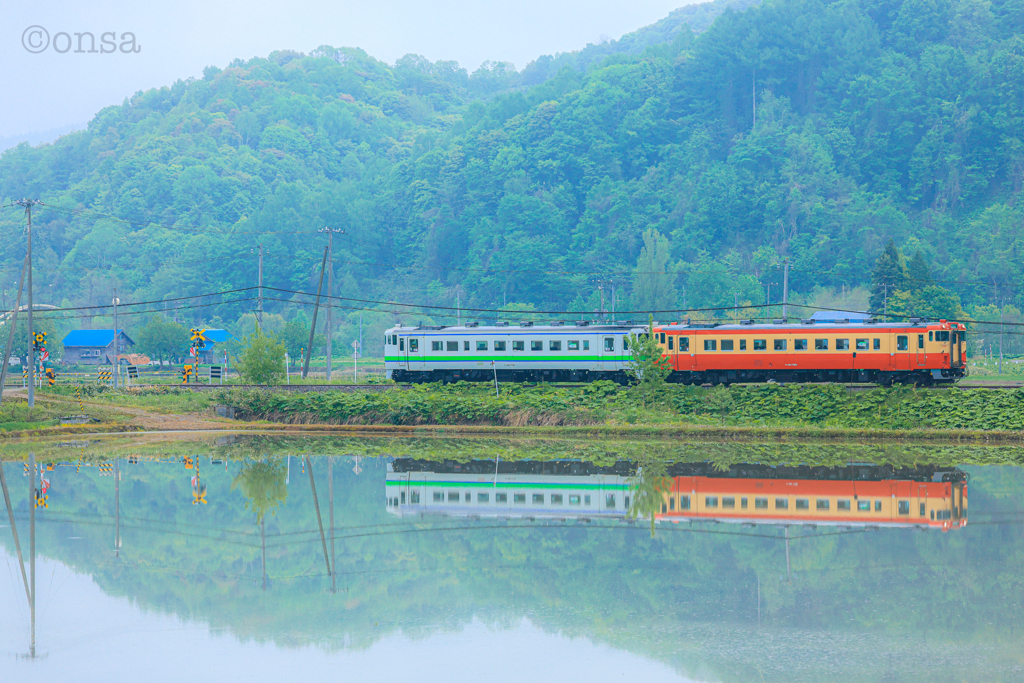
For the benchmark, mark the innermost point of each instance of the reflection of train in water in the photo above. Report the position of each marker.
(855, 495)
(861, 495)
(480, 488)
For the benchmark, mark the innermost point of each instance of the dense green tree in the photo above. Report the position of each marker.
(888, 276)
(162, 339)
(262, 359)
(919, 275)
(652, 283)
(932, 302)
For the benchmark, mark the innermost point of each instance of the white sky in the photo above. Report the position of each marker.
(177, 40)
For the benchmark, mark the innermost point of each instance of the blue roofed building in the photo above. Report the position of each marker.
(95, 347)
(212, 354)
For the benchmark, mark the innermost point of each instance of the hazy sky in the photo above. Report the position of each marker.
(48, 89)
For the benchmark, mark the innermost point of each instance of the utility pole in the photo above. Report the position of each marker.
(785, 289)
(259, 295)
(458, 305)
(1001, 335)
(28, 203)
(330, 282)
(316, 309)
(117, 345)
(885, 299)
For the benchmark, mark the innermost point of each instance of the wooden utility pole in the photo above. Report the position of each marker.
(259, 295)
(330, 283)
(316, 309)
(28, 203)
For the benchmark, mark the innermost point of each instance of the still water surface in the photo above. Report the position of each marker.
(513, 561)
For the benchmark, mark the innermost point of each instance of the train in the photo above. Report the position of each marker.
(913, 352)
(856, 495)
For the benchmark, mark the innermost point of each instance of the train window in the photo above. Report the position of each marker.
(862, 344)
(877, 344)
(803, 504)
(743, 344)
(821, 344)
(554, 346)
(901, 343)
(684, 343)
(453, 496)
(760, 344)
(556, 498)
(536, 345)
(586, 500)
(710, 501)
(930, 336)
(414, 497)
(481, 346)
(414, 345)
(662, 337)
(625, 343)
(799, 344)
(782, 503)
(586, 344)
(728, 502)
(671, 503)
(453, 346)
(743, 502)
(500, 497)
(403, 497)
(710, 344)
(436, 346)
(609, 500)
(465, 346)
(483, 497)
(469, 497)
(519, 498)
(842, 344)
(843, 505)
(780, 344)
(401, 345)
(518, 345)
(904, 507)
(878, 506)
(922, 509)
(538, 499)
(760, 503)
(574, 500)
(438, 497)
(609, 343)
(942, 335)
(863, 506)
(573, 345)
(821, 504)
(670, 342)
(499, 346)
(727, 344)
(684, 502)
(933, 515)
(920, 341)
(626, 502)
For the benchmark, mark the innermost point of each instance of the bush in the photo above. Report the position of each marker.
(262, 360)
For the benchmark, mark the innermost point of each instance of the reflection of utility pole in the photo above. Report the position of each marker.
(14, 532)
(330, 502)
(32, 544)
(1001, 303)
(263, 545)
(117, 506)
(789, 576)
(319, 519)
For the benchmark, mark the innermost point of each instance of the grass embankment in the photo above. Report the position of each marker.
(796, 410)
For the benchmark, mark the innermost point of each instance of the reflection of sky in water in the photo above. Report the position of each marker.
(86, 635)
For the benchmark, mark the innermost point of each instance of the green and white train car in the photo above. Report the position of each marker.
(578, 352)
(411, 494)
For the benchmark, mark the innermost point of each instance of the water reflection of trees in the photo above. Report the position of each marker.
(647, 489)
(262, 482)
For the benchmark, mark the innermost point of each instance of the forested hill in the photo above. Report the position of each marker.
(873, 120)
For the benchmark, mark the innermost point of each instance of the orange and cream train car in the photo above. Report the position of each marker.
(888, 502)
(811, 351)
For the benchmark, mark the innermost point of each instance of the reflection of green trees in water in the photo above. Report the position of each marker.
(648, 489)
(262, 482)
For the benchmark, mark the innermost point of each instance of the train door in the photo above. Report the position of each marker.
(920, 358)
(919, 504)
(607, 350)
(414, 352)
(956, 348)
(901, 351)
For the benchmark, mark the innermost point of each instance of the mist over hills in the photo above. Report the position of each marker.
(873, 120)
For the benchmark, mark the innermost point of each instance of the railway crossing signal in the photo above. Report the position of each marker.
(199, 495)
(41, 500)
(39, 339)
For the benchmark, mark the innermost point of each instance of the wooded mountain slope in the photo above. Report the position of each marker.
(873, 119)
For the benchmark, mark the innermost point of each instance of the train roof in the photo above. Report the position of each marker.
(471, 328)
(808, 323)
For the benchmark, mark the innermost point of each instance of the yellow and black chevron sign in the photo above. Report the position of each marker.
(106, 469)
(104, 375)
